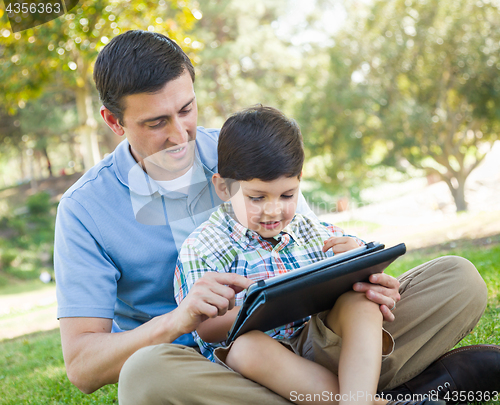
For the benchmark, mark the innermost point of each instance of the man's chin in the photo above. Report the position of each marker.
(168, 170)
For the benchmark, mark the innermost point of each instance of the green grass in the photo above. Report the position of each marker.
(15, 286)
(32, 367)
(32, 372)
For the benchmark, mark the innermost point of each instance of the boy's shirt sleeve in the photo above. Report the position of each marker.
(336, 231)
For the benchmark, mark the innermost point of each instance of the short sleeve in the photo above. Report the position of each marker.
(86, 278)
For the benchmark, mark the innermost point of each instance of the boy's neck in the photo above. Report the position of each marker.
(272, 241)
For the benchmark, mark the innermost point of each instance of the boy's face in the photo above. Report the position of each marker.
(161, 128)
(266, 206)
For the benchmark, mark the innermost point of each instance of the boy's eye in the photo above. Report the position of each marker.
(255, 198)
(287, 196)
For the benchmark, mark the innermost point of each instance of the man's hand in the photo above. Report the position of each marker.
(340, 244)
(211, 296)
(383, 290)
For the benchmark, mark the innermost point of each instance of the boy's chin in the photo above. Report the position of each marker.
(269, 234)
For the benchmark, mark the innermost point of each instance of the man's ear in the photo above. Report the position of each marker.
(110, 119)
(221, 187)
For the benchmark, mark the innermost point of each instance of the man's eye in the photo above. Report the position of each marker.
(158, 125)
(186, 111)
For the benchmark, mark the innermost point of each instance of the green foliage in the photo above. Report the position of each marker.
(241, 61)
(28, 249)
(39, 204)
(60, 55)
(407, 83)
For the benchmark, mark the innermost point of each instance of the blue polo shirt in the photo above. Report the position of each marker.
(118, 234)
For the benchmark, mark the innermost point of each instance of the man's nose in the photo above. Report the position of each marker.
(177, 133)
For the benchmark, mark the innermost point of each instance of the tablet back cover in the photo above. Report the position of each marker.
(296, 299)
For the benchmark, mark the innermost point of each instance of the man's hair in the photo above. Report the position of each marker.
(137, 62)
(260, 143)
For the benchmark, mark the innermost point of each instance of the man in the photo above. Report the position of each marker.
(119, 228)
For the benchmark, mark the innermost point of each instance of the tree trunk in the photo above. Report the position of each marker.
(458, 191)
(88, 125)
(21, 164)
(47, 159)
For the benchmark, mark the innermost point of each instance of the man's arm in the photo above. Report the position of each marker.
(94, 356)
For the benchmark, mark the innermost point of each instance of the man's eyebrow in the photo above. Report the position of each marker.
(164, 116)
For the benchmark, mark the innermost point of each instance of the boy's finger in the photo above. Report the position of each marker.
(331, 242)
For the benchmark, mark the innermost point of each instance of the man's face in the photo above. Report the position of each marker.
(266, 206)
(161, 128)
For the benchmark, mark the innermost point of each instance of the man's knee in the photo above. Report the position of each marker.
(463, 273)
(462, 286)
(147, 374)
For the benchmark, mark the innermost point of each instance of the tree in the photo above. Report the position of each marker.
(434, 72)
(60, 53)
(242, 61)
(333, 114)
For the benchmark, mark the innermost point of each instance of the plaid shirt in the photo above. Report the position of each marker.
(223, 245)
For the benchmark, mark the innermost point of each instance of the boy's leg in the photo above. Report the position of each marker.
(441, 302)
(174, 374)
(358, 322)
(264, 360)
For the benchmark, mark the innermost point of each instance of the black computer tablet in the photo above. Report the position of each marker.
(311, 289)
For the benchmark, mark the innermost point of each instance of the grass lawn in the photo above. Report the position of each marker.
(32, 368)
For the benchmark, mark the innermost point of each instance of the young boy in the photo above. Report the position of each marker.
(334, 356)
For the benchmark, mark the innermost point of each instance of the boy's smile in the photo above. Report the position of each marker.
(266, 207)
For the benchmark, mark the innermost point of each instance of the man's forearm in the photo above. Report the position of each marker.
(94, 356)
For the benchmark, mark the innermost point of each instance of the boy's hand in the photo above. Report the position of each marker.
(340, 244)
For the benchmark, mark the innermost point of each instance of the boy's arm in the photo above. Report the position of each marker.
(216, 329)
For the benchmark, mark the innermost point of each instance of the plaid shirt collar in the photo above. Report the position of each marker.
(244, 236)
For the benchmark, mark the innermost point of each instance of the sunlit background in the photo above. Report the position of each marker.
(398, 101)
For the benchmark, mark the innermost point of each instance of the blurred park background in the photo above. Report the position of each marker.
(398, 102)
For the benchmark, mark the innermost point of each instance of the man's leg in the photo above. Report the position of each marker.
(173, 374)
(441, 302)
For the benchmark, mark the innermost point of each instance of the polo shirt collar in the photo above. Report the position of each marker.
(139, 182)
(131, 174)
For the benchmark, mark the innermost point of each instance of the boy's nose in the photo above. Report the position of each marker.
(272, 208)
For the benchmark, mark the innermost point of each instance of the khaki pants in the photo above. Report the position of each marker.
(441, 302)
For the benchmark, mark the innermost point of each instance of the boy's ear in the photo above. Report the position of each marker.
(112, 121)
(221, 187)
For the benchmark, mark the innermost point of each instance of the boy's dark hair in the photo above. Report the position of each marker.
(260, 143)
(137, 62)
